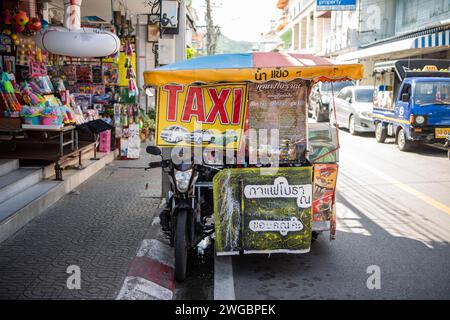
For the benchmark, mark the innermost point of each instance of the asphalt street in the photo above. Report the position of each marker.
(393, 212)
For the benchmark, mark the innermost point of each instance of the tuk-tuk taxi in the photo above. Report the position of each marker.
(245, 166)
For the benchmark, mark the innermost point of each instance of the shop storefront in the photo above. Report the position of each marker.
(66, 93)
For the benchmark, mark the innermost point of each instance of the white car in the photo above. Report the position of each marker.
(354, 106)
(173, 134)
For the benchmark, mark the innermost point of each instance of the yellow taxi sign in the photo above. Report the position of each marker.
(430, 68)
(201, 114)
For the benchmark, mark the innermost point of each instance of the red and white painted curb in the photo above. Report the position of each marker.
(151, 273)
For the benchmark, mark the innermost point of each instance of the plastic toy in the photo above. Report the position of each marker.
(34, 25)
(21, 18)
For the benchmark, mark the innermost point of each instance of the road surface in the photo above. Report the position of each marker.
(393, 212)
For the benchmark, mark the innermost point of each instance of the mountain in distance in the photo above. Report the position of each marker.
(227, 45)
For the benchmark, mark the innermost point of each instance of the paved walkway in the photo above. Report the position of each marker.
(98, 228)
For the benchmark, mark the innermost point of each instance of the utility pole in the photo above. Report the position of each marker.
(212, 32)
(180, 38)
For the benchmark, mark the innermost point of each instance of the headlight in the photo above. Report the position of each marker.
(182, 179)
(420, 120)
(365, 114)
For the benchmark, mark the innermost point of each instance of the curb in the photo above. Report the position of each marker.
(151, 273)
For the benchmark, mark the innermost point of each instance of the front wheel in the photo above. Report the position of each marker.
(402, 141)
(181, 245)
(351, 125)
(380, 133)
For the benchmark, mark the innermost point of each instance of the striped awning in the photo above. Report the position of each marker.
(438, 39)
(255, 67)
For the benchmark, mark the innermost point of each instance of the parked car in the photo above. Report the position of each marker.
(321, 96)
(173, 134)
(200, 136)
(354, 109)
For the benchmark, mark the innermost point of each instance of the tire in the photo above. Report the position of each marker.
(314, 236)
(380, 133)
(330, 117)
(351, 126)
(403, 143)
(181, 245)
(317, 115)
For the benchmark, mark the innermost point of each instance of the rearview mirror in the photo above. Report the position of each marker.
(405, 97)
(153, 150)
(349, 99)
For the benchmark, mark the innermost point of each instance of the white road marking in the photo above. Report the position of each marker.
(223, 279)
(136, 288)
(158, 251)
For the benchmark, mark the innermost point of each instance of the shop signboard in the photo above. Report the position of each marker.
(201, 115)
(335, 5)
(257, 213)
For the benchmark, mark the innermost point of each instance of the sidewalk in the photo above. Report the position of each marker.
(99, 228)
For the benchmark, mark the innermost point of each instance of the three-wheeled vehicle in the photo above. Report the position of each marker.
(244, 165)
(412, 102)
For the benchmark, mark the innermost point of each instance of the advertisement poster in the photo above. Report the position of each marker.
(257, 213)
(201, 115)
(325, 177)
(281, 105)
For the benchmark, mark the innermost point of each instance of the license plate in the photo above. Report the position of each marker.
(441, 133)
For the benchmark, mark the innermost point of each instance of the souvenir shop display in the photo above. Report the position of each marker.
(45, 83)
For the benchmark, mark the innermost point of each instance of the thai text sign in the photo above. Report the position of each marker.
(201, 114)
(257, 213)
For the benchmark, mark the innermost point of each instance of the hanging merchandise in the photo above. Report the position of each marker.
(9, 98)
(130, 73)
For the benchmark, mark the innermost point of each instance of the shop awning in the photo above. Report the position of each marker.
(438, 39)
(413, 45)
(255, 67)
(387, 48)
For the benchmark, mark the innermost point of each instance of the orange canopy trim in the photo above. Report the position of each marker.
(253, 67)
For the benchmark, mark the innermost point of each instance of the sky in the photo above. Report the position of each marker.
(242, 20)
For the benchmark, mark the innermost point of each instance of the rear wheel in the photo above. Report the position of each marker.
(402, 142)
(380, 132)
(314, 236)
(181, 245)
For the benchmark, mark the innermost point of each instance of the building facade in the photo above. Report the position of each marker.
(377, 30)
(382, 30)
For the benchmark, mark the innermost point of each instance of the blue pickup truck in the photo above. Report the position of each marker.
(412, 102)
